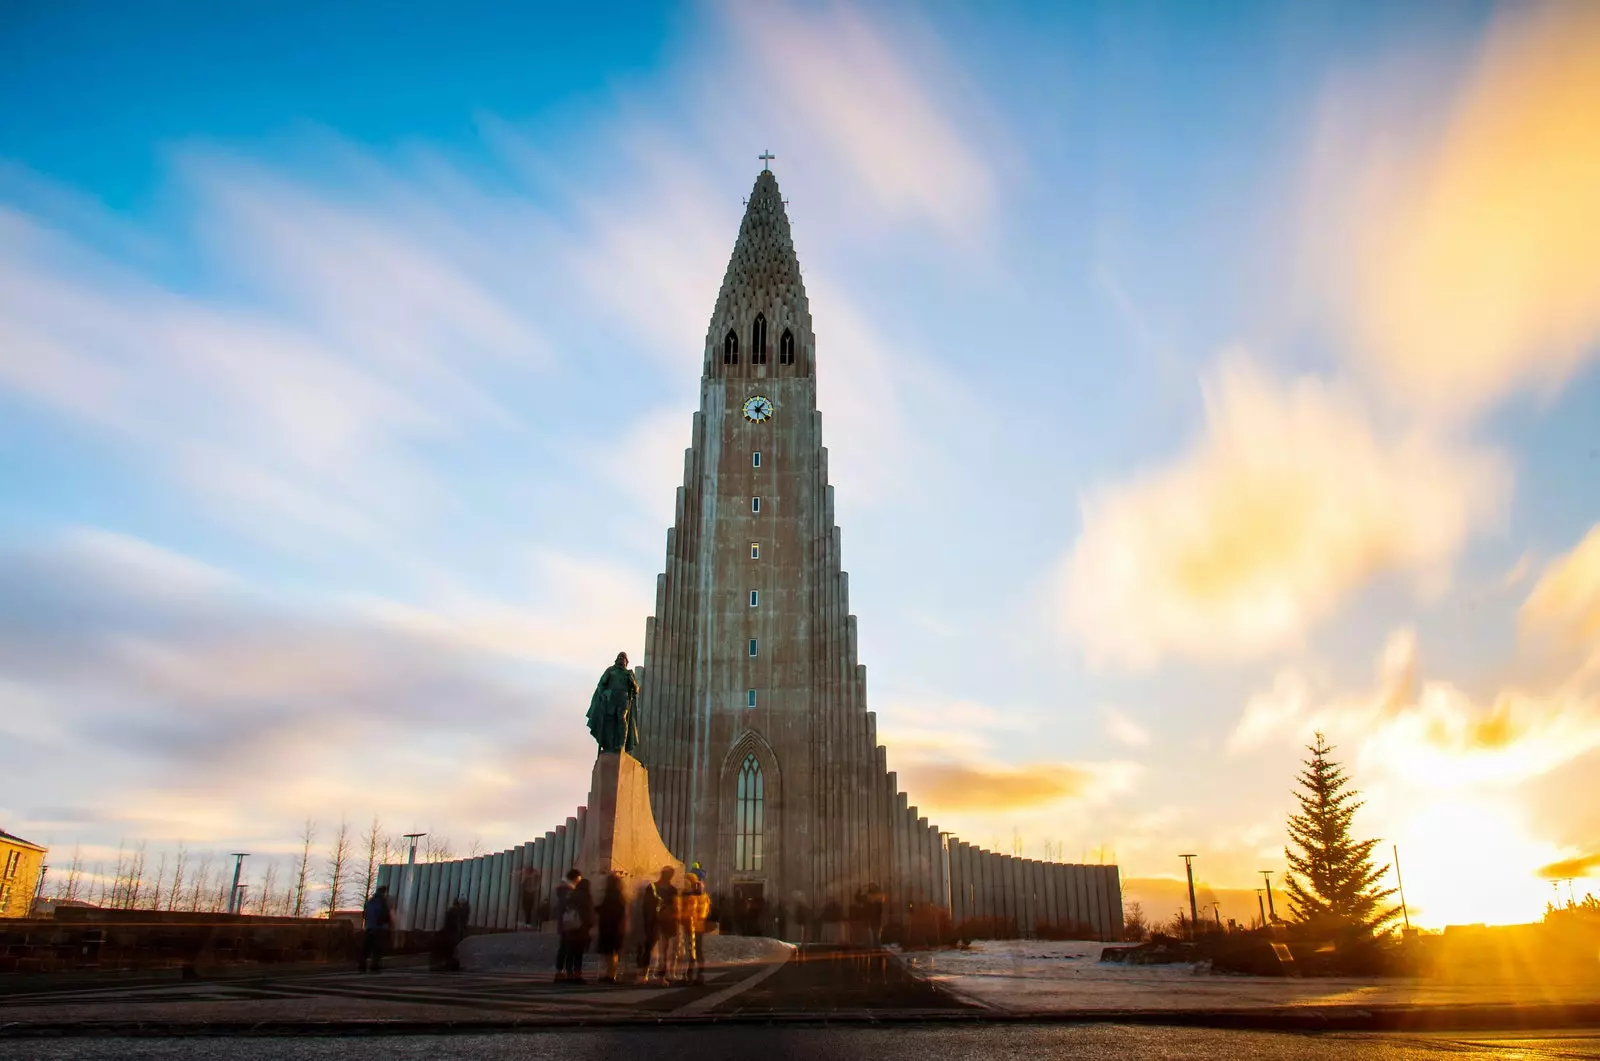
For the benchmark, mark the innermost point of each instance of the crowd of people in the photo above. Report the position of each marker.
(661, 927)
(665, 922)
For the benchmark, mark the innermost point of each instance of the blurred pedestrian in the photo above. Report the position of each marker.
(667, 924)
(443, 957)
(611, 918)
(528, 895)
(558, 911)
(577, 922)
(695, 908)
(376, 921)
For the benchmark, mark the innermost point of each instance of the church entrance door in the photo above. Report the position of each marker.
(749, 907)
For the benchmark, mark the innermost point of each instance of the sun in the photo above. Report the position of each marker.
(1470, 861)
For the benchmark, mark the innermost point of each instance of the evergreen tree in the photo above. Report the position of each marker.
(1332, 883)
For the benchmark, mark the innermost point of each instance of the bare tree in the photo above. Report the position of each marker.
(338, 865)
(71, 883)
(375, 843)
(202, 882)
(161, 881)
(475, 848)
(97, 887)
(135, 887)
(269, 881)
(180, 862)
(302, 869)
(437, 849)
(1134, 925)
(119, 877)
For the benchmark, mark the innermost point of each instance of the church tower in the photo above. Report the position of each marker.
(753, 721)
(764, 763)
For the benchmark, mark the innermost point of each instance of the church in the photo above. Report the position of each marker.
(763, 761)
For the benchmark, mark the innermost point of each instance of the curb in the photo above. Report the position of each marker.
(1292, 1019)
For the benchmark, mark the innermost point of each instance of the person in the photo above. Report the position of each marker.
(558, 911)
(649, 911)
(613, 709)
(443, 957)
(611, 917)
(576, 924)
(376, 919)
(528, 895)
(695, 908)
(667, 922)
(874, 910)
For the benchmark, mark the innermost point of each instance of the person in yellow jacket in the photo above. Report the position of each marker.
(695, 909)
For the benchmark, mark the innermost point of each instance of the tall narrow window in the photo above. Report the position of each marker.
(755, 550)
(758, 340)
(752, 648)
(749, 698)
(755, 504)
(755, 459)
(750, 818)
(730, 348)
(755, 598)
(786, 348)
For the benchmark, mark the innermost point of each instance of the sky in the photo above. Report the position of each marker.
(1194, 378)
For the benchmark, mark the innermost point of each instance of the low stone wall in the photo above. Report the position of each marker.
(124, 940)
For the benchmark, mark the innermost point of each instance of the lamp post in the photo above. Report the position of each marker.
(238, 867)
(1194, 914)
(1272, 912)
(409, 885)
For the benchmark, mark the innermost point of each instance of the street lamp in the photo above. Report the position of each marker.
(1194, 914)
(238, 867)
(409, 884)
(1272, 912)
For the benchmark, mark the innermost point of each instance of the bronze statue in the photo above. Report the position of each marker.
(612, 709)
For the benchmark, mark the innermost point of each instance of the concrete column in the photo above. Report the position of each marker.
(1114, 882)
(1113, 901)
(452, 883)
(1041, 890)
(495, 890)
(428, 897)
(958, 882)
(475, 882)
(440, 893)
(1091, 880)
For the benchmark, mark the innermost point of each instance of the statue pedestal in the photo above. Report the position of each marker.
(620, 835)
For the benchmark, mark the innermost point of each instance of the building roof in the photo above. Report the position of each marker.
(5, 836)
(763, 273)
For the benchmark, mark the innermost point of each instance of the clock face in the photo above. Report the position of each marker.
(757, 408)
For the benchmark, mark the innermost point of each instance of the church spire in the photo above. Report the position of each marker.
(763, 297)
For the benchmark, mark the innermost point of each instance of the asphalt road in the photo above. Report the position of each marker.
(777, 1043)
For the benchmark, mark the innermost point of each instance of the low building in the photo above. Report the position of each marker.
(20, 865)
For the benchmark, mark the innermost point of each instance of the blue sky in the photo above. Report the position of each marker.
(1190, 383)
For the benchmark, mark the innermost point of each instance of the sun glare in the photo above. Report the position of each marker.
(1471, 861)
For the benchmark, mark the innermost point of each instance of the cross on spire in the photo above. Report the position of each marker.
(766, 157)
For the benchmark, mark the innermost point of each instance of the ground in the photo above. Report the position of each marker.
(816, 1043)
(1025, 976)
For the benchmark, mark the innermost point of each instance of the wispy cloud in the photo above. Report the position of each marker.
(172, 684)
(1459, 245)
(1293, 497)
(1431, 733)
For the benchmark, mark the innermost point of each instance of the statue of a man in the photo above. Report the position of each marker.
(611, 709)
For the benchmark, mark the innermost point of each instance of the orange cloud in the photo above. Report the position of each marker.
(1579, 867)
(1473, 269)
(1291, 498)
(962, 786)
